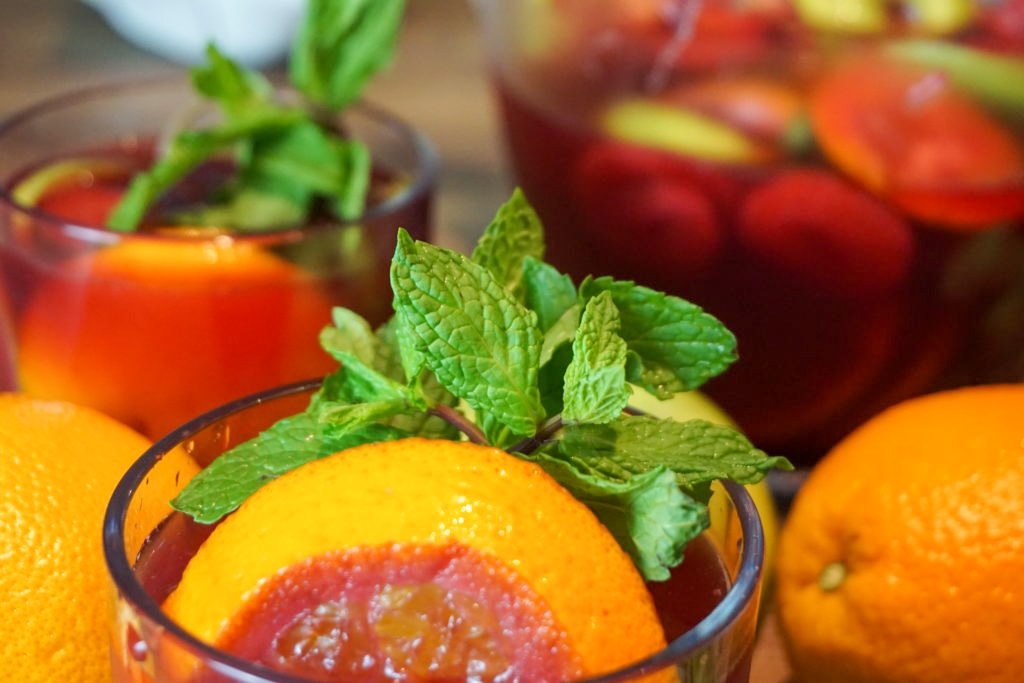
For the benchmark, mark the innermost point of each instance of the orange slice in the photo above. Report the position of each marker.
(154, 332)
(500, 521)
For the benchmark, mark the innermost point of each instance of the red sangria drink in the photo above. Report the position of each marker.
(708, 608)
(208, 313)
(468, 496)
(841, 183)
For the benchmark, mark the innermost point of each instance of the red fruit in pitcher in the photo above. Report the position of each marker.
(650, 209)
(813, 224)
(1002, 25)
(901, 129)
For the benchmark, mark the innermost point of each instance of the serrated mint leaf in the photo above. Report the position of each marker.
(340, 45)
(650, 517)
(696, 450)
(595, 387)
(347, 417)
(514, 234)
(360, 383)
(547, 292)
(674, 345)
(551, 378)
(238, 473)
(482, 344)
(562, 332)
(349, 333)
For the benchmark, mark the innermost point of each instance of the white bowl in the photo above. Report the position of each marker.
(255, 33)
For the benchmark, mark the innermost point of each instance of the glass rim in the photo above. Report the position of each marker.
(428, 165)
(743, 590)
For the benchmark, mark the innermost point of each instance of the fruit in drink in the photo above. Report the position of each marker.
(847, 291)
(207, 322)
(416, 544)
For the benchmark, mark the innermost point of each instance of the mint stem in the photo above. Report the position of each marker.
(544, 432)
(459, 421)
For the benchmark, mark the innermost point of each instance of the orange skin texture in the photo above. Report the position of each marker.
(154, 333)
(904, 133)
(59, 465)
(924, 507)
(430, 493)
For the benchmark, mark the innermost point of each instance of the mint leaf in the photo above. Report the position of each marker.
(237, 474)
(231, 86)
(696, 450)
(514, 235)
(296, 164)
(650, 517)
(482, 344)
(348, 417)
(186, 151)
(595, 387)
(247, 210)
(674, 345)
(340, 45)
(546, 292)
(349, 333)
(387, 361)
(551, 378)
(285, 158)
(563, 331)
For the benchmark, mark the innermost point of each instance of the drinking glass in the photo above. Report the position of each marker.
(146, 547)
(103, 318)
(842, 183)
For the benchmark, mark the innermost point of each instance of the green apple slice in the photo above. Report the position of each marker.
(939, 17)
(29, 191)
(682, 131)
(863, 17)
(997, 80)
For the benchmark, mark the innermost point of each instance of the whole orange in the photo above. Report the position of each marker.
(903, 556)
(59, 464)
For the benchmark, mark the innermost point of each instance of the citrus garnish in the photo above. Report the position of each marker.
(902, 555)
(209, 322)
(440, 501)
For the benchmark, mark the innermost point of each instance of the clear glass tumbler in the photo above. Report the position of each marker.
(147, 547)
(100, 318)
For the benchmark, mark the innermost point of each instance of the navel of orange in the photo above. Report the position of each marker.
(902, 557)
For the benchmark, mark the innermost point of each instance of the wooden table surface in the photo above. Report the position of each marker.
(438, 82)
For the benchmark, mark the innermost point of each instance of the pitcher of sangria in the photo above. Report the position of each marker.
(842, 183)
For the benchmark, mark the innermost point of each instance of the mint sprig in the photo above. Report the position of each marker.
(289, 158)
(545, 369)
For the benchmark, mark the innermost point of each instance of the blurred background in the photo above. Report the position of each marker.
(437, 81)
